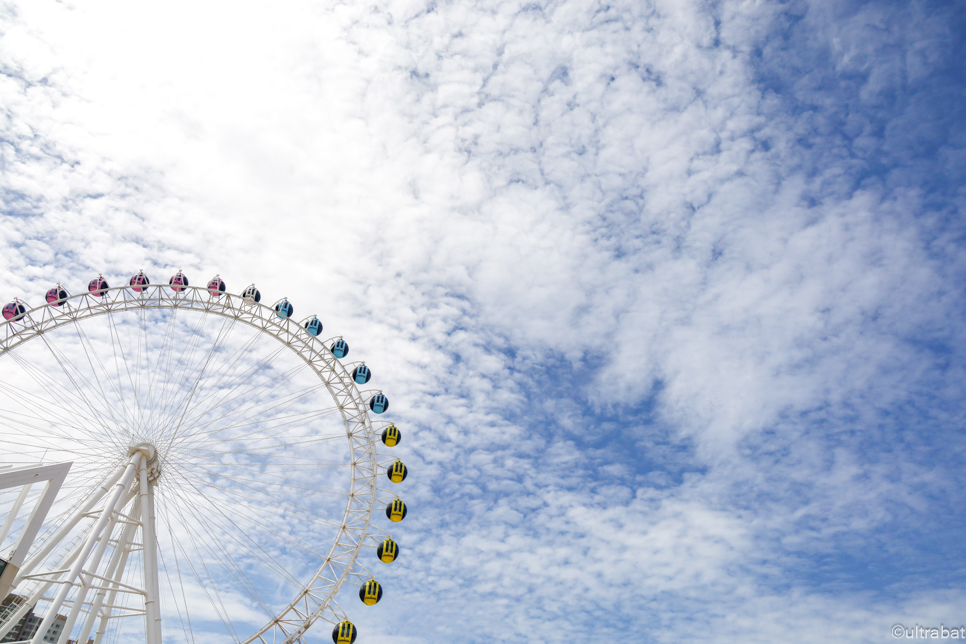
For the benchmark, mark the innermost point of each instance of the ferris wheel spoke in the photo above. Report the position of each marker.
(61, 360)
(22, 416)
(142, 345)
(298, 444)
(95, 377)
(222, 558)
(231, 385)
(273, 484)
(21, 428)
(176, 383)
(227, 326)
(294, 422)
(114, 383)
(272, 529)
(161, 365)
(251, 416)
(231, 567)
(280, 477)
(225, 559)
(205, 584)
(52, 407)
(242, 388)
(187, 628)
(117, 348)
(278, 506)
(218, 511)
(235, 389)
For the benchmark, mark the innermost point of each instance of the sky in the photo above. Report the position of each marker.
(666, 295)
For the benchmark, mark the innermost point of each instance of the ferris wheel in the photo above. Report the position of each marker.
(228, 473)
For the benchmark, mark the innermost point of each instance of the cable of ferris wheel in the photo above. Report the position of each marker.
(127, 416)
(64, 362)
(218, 511)
(276, 506)
(226, 561)
(51, 406)
(163, 570)
(235, 361)
(185, 405)
(219, 607)
(273, 506)
(170, 398)
(251, 416)
(41, 378)
(235, 391)
(188, 629)
(80, 393)
(159, 368)
(117, 347)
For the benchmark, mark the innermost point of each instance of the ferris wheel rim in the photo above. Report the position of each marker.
(315, 601)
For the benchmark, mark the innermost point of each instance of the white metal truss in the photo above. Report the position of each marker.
(317, 599)
(27, 477)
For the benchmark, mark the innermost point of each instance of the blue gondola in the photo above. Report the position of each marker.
(14, 311)
(178, 281)
(56, 296)
(314, 326)
(340, 348)
(251, 294)
(361, 374)
(379, 403)
(98, 286)
(139, 282)
(216, 286)
(284, 309)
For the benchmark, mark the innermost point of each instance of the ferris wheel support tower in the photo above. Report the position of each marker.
(82, 574)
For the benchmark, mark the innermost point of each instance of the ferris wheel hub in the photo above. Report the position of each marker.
(145, 448)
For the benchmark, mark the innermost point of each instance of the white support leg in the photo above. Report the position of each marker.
(112, 596)
(106, 515)
(115, 571)
(152, 607)
(13, 512)
(92, 565)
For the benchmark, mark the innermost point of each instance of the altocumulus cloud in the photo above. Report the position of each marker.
(668, 293)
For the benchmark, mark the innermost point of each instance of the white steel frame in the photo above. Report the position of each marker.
(26, 477)
(317, 599)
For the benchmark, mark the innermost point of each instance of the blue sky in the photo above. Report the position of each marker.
(667, 294)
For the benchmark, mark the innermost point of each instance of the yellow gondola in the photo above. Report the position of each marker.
(396, 511)
(387, 551)
(391, 436)
(344, 633)
(397, 472)
(370, 592)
